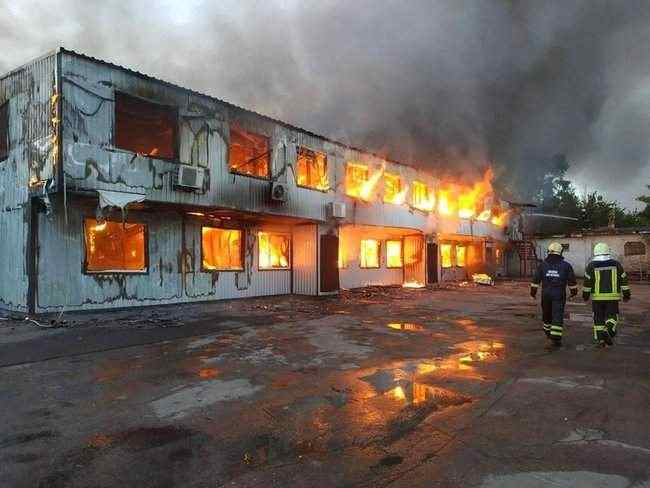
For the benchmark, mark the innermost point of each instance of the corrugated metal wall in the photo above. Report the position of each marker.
(174, 275)
(305, 259)
(28, 90)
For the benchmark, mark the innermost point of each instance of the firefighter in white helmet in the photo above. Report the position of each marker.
(554, 274)
(606, 282)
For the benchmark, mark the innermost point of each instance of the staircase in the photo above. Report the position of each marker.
(527, 256)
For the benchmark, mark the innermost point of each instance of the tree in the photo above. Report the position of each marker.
(644, 215)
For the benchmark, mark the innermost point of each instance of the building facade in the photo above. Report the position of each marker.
(119, 189)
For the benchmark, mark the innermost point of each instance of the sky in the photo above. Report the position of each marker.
(448, 84)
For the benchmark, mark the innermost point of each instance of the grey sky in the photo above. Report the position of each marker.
(444, 83)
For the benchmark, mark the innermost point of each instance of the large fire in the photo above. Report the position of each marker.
(452, 199)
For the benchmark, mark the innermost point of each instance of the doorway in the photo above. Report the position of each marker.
(432, 262)
(329, 263)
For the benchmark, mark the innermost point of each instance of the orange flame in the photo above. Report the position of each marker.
(367, 187)
(467, 201)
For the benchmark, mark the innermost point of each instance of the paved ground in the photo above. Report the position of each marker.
(385, 387)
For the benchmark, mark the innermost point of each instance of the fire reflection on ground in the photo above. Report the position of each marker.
(405, 326)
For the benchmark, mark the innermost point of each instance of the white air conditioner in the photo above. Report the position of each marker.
(279, 192)
(190, 177)
(336, 210)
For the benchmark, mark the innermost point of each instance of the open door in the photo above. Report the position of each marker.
(329, 263)
(414, 259)
(432, 262)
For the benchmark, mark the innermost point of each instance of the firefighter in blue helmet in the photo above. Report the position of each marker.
(606, 282)
(554, 274)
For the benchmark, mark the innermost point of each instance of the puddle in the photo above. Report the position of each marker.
(481, 351)
(411, 327)
(414, 393)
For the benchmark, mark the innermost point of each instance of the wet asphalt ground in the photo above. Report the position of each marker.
(383, 387)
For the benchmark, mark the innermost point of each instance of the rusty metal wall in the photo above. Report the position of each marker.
(29, 92)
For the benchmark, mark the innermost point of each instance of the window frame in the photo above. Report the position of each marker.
(465, 252)
(300, 149)
(401, 251)
(269, 153)
(627, 254)
(452, 255)
(84, 263)
(400, 186)
(414, 185)
(177, 126)
(378, 254)
(242, 251)
(4, 109)
(349, 165)
(290, 253)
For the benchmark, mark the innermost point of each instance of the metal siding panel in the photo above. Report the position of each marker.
(305, 260)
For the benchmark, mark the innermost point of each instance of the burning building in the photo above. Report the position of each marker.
(119, 189)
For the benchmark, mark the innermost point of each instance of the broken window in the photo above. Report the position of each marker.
(393, 189)
(394, 254)
(634, 248)
(445, 255)
(461, 256)
(422, 200)
(4, 131)
(222, 249)
(114, 246)
(249, 153)
(146, 128)
(311, 169)
(274, 251)
(356, 176)
(369, 253)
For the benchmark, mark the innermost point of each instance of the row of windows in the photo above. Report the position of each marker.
(370, 254)
(152, 129)
(118, 247)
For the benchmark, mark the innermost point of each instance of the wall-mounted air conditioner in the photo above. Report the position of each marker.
(279, 191)
(189, 177)
(336, 210)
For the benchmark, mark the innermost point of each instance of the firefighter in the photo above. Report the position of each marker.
(554, 274)
(605, 281)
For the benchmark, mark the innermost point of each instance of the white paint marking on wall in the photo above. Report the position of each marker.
(182, 402)
(560, 479)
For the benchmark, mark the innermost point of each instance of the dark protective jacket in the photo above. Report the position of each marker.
(554, 274)
(605, 280)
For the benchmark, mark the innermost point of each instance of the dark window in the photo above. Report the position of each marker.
(115, 247)
(249, 153)
(145, 128)
(4, 131)
(635, 248)
(565, 247)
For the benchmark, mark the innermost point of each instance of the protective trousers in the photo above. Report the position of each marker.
(605, 319)
(553, 316)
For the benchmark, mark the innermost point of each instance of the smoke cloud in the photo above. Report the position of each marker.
(448, 84)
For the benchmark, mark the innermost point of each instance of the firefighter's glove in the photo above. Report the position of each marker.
(626, 296)
(533, 291)
(585, 296)
(573, 291)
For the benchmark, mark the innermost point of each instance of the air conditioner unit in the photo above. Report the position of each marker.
(279, 192)
(189, 177)
(336, 210)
